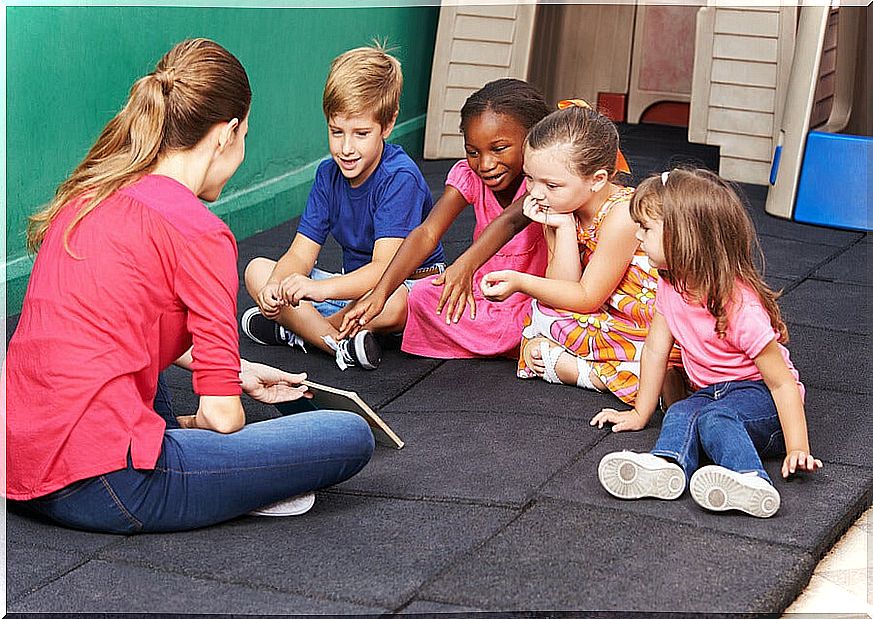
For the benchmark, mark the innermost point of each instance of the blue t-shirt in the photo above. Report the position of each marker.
(392, 202)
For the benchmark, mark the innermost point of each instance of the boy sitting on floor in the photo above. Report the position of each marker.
(369, 195)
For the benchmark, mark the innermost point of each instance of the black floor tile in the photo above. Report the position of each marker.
(374, 552)
(559, 556)
(815, 507)
(484, 457)
(792, 259)
(491, 385)
(29, 568)
(831, 305)
(854, 266)
(839, 424)
(107, 587)
(831, 359)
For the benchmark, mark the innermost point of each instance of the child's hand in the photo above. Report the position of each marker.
(498, 285)
(269, 300)
(799, 459)
(296, 288)
(360, 313)
(546, 216)
(620, 420)
(457, 294)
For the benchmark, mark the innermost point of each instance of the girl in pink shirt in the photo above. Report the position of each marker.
(712, 302)
(494, 121)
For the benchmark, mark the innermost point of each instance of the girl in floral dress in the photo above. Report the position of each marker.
(591, 312)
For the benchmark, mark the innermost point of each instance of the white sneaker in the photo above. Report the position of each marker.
(718, 489)
(294, 506)
(630, 475)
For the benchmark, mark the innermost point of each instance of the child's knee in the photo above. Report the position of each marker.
(257, 272)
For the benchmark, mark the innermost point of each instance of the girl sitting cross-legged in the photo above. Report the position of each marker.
(591, 312)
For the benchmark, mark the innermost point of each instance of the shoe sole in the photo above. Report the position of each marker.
(623, 475)
(294, 506)
(719, 489)
(368, 353)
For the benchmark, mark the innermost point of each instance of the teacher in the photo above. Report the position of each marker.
(134, 273)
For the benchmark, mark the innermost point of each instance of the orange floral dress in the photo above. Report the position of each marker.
(611, 339)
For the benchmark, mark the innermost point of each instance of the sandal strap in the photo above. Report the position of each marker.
(549, 354)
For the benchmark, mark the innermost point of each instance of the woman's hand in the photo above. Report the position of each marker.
(620, 420)
(498, 285)
(361, 312)
(271, 385)
(798, 459)
(540, 213)
(457, 294)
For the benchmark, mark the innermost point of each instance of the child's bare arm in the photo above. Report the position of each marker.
(298, 260)
(296, 288)
(413, 251)
(653, 368)
(789, 405)
(603, 273)
(457, 281)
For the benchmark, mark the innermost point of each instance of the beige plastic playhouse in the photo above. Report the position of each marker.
(748, 78)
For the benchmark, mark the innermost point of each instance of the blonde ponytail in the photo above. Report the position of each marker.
(195, 85)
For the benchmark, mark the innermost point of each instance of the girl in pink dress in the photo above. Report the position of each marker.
(495, 121)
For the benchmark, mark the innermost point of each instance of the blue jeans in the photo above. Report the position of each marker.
(731, 422)
(203, 477)
(328, 307)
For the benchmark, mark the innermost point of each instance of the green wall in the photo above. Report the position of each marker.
(69, 70)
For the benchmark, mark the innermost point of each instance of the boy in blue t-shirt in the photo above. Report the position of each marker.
(369, 195)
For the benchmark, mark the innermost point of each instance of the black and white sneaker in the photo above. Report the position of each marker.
(362, 350)
(267, 332)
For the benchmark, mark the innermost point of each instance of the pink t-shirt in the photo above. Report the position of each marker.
(708, 359)
(157, 272)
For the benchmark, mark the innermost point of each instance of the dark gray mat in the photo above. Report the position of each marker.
(113, 587)
(474, 376)
(560, 556)
(485, 457)
(819, 303)
(854, 266)
(28, 568)
(23, 528)
(839, 426)
(815, 508)
(792, 258)
(374, 552)
(426, 607)
(831, 359)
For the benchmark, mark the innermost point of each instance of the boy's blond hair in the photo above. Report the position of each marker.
(361, 80)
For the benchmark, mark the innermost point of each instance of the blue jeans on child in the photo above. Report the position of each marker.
(732, 422)
(204, 477)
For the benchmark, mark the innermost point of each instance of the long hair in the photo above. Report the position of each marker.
(511, 97)
(591, 138)
(709, 241)
(195, 85)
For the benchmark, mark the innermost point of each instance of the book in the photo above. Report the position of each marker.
(331, 398)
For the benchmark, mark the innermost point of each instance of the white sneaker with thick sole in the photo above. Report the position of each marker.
(294, 506)
(718, 489)
(631, 475)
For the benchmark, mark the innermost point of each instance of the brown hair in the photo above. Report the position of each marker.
(195, 85)
(591, 137)
(709, 240)
(364, 79)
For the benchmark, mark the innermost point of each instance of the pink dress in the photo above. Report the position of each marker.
(497, 328)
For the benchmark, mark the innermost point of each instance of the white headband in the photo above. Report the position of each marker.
(664, 176)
